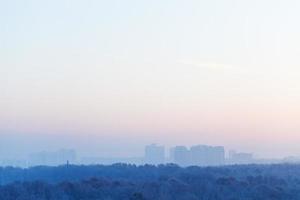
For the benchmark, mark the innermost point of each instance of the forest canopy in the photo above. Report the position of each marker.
(123, 181)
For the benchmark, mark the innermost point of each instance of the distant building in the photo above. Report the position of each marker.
(203, 155)
(199, 155)
(181, 155)
(218, 155)
(154, 154)
(240, 158)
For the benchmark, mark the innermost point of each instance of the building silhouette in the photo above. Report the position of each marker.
(199, 155)
(181, 155)
(154, 154)
(240, 158)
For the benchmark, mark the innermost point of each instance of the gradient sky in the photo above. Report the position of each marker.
(119, 73)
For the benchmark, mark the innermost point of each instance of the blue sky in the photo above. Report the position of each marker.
(221, 72)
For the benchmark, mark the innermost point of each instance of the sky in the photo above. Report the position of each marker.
(108, 77)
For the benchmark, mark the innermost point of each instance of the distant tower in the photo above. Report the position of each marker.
(154, 154)
(181, 155)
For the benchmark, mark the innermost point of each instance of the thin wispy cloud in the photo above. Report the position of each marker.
(208, 65)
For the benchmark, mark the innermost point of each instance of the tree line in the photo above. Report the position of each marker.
(147, 182)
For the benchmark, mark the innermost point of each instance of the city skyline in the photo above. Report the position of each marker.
(153, 154)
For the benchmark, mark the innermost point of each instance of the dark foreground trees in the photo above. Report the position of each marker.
(130, 182)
